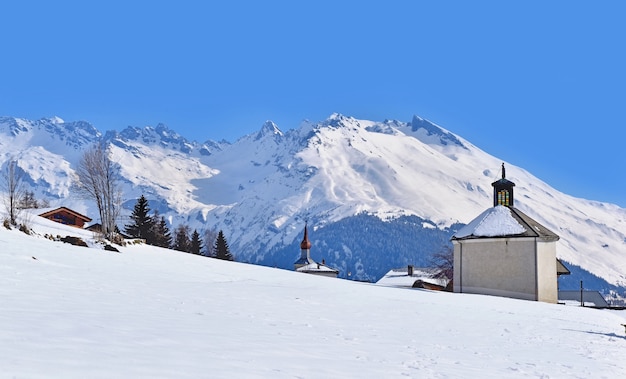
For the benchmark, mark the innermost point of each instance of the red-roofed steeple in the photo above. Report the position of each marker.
(305, 244)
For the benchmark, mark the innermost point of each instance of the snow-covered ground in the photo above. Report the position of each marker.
(76, 312)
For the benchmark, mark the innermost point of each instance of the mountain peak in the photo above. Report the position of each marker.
(337, 120)
(269, 128)
(14, 126)
(53, 120)
(429, 133)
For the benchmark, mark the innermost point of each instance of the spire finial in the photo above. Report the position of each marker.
(503, 171)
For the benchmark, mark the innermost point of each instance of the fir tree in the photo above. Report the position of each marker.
(196, 243)
(181, 239)
(28, 201)
(160, 231)
(221, 249)
(141, 226)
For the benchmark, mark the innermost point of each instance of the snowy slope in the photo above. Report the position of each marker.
(76, 312)
(45, 150)
(345, 166)
(261, 188)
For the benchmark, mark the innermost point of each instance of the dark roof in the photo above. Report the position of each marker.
(303, 261)
(503, 182)
(561, 269)
(56, 210)
(531, 227)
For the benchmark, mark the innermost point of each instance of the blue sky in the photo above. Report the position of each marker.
(539, 84)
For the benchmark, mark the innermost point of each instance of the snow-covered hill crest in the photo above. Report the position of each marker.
(147, 312)
(261, 188)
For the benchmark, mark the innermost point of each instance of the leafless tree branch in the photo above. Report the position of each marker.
(97, 178)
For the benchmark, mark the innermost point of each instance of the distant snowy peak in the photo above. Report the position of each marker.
(150, 135)
(268, 129)
(387, 127)
(337, 120)
(210, 147)
(74, 134)
(12, 126)
(431, 133)
(419, 128)
(162, 136)
(53, 120)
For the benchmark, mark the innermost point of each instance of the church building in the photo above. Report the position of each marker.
(307, 265)
(504, 252)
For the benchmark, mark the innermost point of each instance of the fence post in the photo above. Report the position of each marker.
(582, 303)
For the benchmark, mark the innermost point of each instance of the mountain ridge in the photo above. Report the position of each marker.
(261, 188)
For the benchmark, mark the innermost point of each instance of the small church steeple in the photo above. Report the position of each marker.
(305, 250)
(305, 244)
(503, 190)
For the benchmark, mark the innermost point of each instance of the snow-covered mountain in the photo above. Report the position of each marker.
(358, 183)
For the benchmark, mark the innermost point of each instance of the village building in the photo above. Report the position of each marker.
(504, 252)
(307, 265)
(415, 277)
(66, 216)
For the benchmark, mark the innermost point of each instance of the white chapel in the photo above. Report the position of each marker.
(504, 252)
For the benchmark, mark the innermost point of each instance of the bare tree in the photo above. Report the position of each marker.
(15, 189)
(210, 236)
(98, 179)
(444, 261)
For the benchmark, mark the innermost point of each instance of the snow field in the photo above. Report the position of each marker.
(76, 312)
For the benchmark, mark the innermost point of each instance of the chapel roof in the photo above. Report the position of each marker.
(504, 222)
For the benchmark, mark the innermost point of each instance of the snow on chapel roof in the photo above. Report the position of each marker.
(494, 222)
(501, 221)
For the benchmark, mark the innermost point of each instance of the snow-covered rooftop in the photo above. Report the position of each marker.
(494, 222)
(315, 267)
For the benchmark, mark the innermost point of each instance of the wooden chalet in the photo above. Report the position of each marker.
(66, 216)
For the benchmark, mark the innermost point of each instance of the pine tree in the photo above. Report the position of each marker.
(196, 243)
(221, 249)
(142, 224)
(181, 239)
(160, 231)
(28, 201)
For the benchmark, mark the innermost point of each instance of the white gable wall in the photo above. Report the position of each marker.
(513, 267)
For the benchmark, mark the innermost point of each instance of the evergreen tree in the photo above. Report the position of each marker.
(181, 239)
(196, 243)
(28, 201)
(221, 249)
(142, 224)
(161, 232)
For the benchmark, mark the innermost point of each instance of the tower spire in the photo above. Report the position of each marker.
(503, 190)
(305, 244)
(305, 250)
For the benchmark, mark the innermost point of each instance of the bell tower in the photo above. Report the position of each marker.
(503, 190)
(305, 251)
